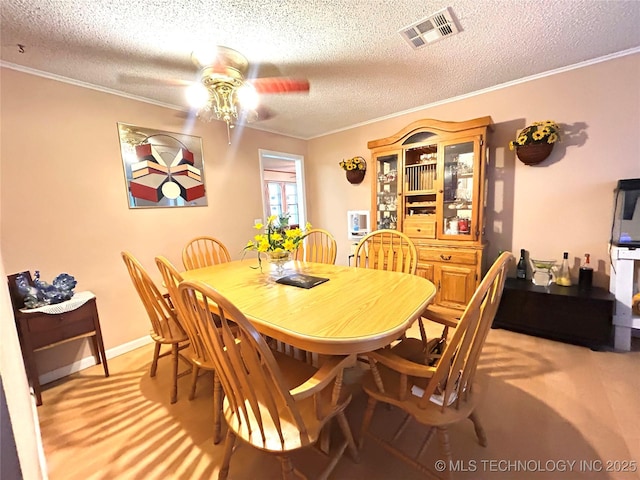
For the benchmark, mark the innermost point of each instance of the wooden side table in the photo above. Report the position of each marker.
(39, 330)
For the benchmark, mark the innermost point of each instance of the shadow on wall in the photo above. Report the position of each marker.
(500, 192)
(571, 135)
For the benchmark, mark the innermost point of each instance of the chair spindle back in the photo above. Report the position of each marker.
(387, 250)
(251, 379)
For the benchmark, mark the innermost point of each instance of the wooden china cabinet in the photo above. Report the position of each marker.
(430, 183)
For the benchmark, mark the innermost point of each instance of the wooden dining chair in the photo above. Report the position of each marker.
(273, 402)
(198, 354)
(395, 251)
(439, 396)
(204, 251)
(165, 327)
(387, 250)
(318, 246)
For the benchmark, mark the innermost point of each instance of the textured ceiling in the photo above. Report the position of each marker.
(358, 65)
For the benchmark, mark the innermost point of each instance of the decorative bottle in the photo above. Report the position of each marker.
(563, 278)
(585, 278)
(521, 268)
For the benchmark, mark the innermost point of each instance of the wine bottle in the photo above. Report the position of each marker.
(521, 268)
(585, 278)
(564, 275)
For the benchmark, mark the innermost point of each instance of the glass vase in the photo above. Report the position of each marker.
(279, 259)
(542, 272)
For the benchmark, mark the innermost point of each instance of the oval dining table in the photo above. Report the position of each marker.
(356, 311)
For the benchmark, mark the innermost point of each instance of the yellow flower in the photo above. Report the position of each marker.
(355, 163)
(538, 135)
(277, 236)
(538, 132)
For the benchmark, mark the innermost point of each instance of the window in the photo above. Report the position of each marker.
(283, 197)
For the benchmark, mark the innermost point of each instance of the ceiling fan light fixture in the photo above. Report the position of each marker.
(197, 95)
(248, 97)
(204, 56)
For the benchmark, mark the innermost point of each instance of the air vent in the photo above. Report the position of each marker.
(430, 29)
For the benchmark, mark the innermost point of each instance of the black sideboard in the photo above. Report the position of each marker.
(567, 314)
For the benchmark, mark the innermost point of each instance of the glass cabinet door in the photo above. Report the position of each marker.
(387, 190)
(458, 186)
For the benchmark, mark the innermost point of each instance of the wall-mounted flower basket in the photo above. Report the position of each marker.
(535, 142)
(355, 176)
(534, 153)
(355, 168)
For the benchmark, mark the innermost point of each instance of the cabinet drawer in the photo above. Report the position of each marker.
(47, 329)
(448, 256)
(418, 226)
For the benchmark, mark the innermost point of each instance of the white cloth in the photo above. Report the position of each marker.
(74, 302)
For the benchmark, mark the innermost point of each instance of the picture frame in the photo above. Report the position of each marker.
(161, 169)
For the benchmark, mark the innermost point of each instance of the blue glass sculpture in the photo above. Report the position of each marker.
(42, 293)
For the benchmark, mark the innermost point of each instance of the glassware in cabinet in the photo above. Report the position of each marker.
(387, 190)
(458, 189)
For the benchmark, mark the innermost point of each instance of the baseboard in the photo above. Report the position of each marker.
(91, 361)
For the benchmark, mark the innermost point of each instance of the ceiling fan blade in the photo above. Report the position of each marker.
(141, 80)
(259, 114)
(280, 84)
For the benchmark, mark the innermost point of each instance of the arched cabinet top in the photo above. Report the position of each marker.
(420, 130)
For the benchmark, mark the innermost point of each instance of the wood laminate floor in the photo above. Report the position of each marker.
(546, 404)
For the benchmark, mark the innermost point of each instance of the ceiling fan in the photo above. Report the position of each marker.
(228, 87)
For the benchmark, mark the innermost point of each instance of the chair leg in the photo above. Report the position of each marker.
(482, 437)
(217, 409)
(226, 456)
(154, 363)
(445, 448)
(194, 381)
(366, 420)
(288, 472)
(174, 387)
(346, 431)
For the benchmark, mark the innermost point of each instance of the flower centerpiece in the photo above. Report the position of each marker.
(355, 168)
(535, 142)
(277, 240)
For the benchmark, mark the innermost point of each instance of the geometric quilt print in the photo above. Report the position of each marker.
(161, 169)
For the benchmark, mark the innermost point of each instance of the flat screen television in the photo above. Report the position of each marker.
(625, 231)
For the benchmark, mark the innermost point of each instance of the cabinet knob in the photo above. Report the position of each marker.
(445, 257)
(440, 191)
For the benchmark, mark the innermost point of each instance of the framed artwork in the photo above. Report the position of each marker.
(162, 169)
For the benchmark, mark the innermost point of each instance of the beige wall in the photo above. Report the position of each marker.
(64, 204)
(563, 204)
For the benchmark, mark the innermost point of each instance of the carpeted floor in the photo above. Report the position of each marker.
(550, 411)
